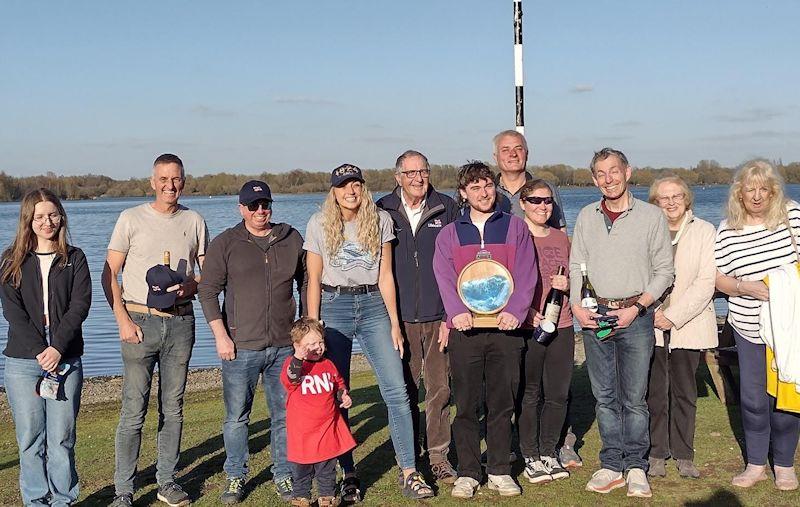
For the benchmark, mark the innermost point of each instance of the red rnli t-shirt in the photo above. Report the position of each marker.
(315, 428)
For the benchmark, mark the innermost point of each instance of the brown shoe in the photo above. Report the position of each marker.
(444, 472)
(328, 501)
(300, 502)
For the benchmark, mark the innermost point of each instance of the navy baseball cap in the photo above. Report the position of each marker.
(345, 173)
(159, 278)
(253, 191)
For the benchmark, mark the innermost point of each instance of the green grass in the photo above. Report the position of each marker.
(718, 456)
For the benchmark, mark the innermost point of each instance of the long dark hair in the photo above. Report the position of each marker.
(25, 241)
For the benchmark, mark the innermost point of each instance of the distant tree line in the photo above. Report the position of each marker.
(706, 172)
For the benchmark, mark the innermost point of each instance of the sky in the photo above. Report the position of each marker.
(249, 86)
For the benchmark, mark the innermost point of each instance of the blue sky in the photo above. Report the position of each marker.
(248, 86)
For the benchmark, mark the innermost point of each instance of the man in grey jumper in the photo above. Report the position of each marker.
(625, 244)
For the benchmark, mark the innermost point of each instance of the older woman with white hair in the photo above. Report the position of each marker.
(755, 239)
(685, 324)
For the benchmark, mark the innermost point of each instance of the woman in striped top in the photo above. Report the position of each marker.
(751, 242)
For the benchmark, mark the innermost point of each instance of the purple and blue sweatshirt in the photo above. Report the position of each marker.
(507, 238)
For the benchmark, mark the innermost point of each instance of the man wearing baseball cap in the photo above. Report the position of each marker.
(256, 263)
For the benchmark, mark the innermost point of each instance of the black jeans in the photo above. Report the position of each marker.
(548, 373)
(672, 400)
(475, 356)
(302, 475)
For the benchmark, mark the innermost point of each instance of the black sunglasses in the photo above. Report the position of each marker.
(532, 199)
(264, 203)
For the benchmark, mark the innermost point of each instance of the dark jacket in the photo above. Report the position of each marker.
(412, 259)
(259, 305)
(69, 299)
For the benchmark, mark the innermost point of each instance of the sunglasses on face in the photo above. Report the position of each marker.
(263, 203)
(532, 199)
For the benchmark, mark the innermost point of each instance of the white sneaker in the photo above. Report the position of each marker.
(637, 483)
(465, 487)
(536, 472)
(504, 485)
(605, 480)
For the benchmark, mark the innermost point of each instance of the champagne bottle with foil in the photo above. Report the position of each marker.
(166, 258)
(588, 296)
(547, 329)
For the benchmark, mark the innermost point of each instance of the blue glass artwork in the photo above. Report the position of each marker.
(486, 294)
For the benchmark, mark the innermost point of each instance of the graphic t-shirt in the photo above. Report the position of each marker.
(552, 251)
(351, 265)
(315, 428)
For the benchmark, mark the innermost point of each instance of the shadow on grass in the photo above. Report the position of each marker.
(581, 408)
(194, 480)
(721, 497)
(9, 464)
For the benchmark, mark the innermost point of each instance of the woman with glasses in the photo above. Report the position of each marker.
(351, 288)
(46, 293)
(685, 324)
(548, 368)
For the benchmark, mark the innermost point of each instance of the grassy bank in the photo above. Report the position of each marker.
(718, 456)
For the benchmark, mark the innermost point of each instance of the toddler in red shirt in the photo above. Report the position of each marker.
(316, 432)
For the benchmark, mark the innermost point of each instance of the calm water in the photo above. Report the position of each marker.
(91, 223)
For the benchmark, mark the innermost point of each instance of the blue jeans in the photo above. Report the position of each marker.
(364, 317)
(239, 380)
(45, 432)
(618, 370)
(168, 342)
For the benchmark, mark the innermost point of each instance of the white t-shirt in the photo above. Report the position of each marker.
(144, 234)
(45, 262)
(749, 254)
(351, 265)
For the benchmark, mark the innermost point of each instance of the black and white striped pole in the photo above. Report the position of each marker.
(518, 75)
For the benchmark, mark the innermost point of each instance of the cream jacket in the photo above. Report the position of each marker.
(691, 307)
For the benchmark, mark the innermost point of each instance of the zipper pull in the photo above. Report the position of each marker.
(416, 261)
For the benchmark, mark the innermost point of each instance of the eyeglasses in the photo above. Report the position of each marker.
(263, 203)
(54, 218)
(674, 198)
(413, 174)
(532, 199)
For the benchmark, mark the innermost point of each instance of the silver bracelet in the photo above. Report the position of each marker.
(738, 282)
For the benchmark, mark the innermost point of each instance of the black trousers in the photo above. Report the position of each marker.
(476, 356)
(672, 400)
(302, 475)
(548, 373)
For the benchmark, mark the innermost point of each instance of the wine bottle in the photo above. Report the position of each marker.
(166, 258)
(588, 296)
(546, 331)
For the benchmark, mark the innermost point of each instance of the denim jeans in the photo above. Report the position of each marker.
(45, 432)
(364, 317)
(618, 370)
(168, 342)
(239, 381)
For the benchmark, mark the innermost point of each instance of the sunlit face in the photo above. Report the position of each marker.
(756, 196)
(541, 209)
(167, 182)
(314, 345)
(348, 195)
(257, 220)
(611, 177)
(413, 178)
(46, 220)
(671, 198)
(511, 154)
(480, 195)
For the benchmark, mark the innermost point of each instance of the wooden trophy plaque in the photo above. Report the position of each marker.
(485, 286)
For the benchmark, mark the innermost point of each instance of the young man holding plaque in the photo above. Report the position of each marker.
(491, 354)
(625, 244)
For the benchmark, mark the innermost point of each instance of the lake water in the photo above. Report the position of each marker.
(91, 223)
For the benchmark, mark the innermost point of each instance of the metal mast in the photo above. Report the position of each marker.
(518, 75)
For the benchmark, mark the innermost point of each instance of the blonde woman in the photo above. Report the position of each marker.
(685, 324)
(752, 241)
(46, 294)
(351, 288)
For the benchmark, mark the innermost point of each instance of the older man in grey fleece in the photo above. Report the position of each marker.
(625, 244)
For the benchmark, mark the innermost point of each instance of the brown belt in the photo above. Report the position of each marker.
(173, 311)
(616, 304)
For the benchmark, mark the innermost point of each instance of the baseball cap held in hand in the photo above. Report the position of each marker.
(159, 279)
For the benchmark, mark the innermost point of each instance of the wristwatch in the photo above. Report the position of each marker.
(641, 307)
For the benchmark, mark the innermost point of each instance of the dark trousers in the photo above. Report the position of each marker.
(548, 373)
(422, 357)
(324, 472)
(760, 420)
(494, 357)
(672, 401)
